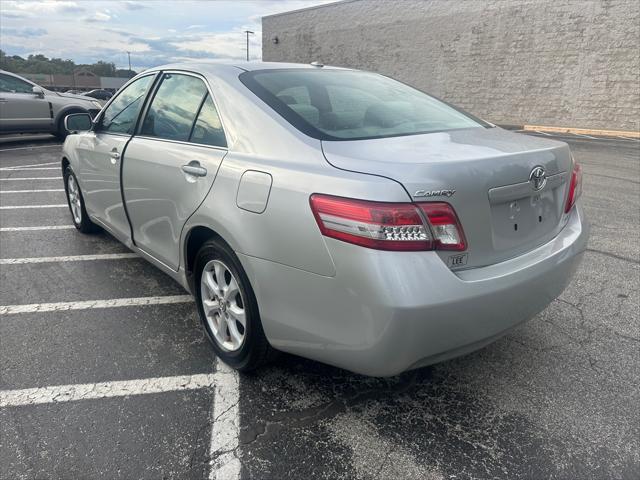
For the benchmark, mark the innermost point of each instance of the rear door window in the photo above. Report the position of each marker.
(174, 107)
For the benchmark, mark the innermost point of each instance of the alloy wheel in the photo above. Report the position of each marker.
(223, 304)
(74, 199)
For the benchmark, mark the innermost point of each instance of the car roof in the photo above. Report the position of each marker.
(219, 67)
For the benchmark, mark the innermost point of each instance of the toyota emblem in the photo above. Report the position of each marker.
(538, 178)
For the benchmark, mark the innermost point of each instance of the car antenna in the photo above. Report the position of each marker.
(317, 64)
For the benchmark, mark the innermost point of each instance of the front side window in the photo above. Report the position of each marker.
(9, 84)
(174, 108)
(120, 116)
(349, 105)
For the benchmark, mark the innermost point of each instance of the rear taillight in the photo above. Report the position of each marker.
(388, 226)
(575, 187)
(446, 228)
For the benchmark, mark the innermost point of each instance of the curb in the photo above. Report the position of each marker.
(627, 134)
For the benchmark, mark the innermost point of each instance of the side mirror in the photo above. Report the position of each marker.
(78, 122)
(38, 92)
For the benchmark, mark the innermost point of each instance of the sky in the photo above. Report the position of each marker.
(154, 31)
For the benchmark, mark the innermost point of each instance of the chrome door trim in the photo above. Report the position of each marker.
(147, 137)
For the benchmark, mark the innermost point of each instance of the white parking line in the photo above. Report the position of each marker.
(33, 191)
(70, 258)
(92, 391)
(30, 148)
(225, 429)
(16, 207)
(19, 169)
(30, 165)
(89, 304)
(32, 229)
(28, 178)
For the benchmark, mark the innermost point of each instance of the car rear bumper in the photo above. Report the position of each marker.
(387, 312)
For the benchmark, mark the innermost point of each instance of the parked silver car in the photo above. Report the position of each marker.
(28, 108)
(331, 213)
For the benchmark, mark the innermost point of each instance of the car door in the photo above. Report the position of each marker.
(100, 153)
(171, 163)
(20, 109)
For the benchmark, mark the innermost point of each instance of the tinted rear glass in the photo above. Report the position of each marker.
(349, 105)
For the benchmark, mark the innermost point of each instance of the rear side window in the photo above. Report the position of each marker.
(351, 105)
(208, 129)
(9, 84)
(174, 108)
(120, 116)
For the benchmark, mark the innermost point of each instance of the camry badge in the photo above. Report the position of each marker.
(538, 178)
(434, 193)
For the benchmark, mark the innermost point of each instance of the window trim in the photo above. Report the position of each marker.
(247, 78)
(152, 95)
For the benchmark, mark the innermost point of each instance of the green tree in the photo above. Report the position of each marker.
(41, 64)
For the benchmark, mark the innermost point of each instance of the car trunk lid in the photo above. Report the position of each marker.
(484, 174)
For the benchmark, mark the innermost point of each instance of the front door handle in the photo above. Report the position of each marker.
(114, 156)
(194, 168)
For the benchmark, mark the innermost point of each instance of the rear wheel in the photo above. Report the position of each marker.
(76, 204)
(228, 308)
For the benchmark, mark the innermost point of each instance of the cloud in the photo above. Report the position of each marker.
(13, 14)
(43, 6)
(131, 5)
(98, 17)
(24, 32)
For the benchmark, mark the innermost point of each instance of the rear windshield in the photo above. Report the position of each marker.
(352, 105)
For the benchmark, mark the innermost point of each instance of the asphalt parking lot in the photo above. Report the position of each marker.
(105, 372)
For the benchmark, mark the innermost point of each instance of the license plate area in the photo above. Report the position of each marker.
(521, 216)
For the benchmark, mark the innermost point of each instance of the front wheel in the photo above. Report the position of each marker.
(76, 203)
(228, 308)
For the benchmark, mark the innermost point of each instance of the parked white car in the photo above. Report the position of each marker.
(28, 108)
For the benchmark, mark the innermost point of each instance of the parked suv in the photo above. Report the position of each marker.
(28, 108)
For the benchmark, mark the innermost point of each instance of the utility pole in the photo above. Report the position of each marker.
(129, 55)
(248, 32)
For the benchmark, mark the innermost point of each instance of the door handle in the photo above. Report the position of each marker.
(3, 100)
(194, 168)
(114, 156)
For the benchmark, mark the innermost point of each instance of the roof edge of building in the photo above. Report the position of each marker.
(314, 7)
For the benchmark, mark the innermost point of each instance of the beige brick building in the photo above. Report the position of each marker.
(573, 63)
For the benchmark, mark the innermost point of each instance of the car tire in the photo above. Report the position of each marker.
(75, 201)
(215, 266)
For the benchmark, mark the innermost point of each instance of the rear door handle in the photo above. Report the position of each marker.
(194, 168)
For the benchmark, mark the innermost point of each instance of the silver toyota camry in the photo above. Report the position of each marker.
(331, 213)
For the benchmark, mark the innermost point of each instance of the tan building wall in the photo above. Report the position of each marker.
(569, 63)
